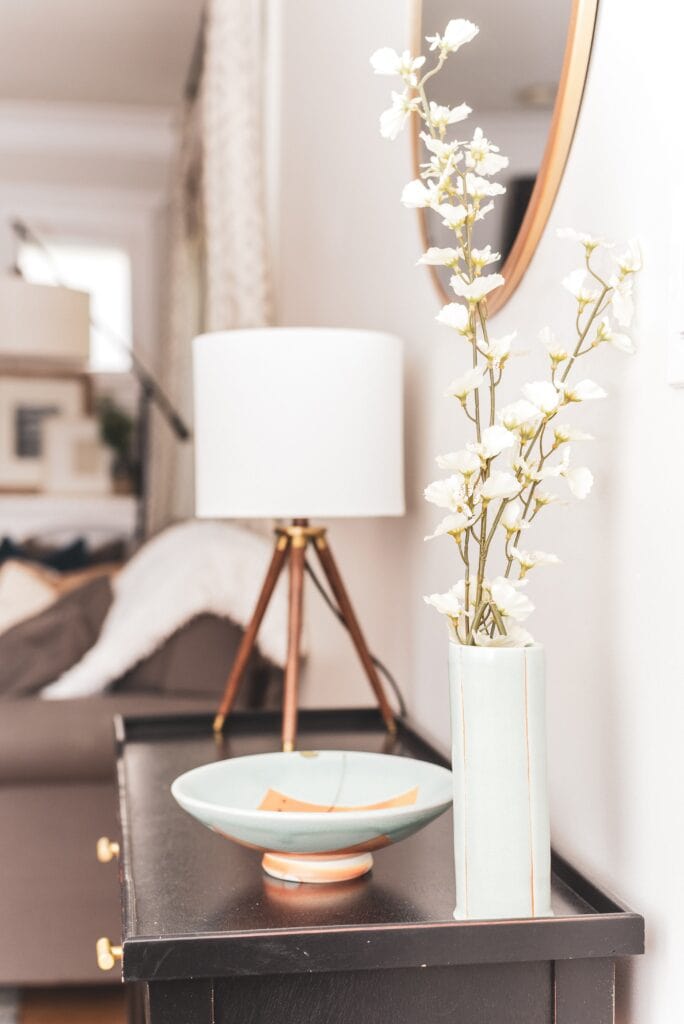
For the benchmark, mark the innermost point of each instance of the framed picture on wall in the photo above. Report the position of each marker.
(27, 402)
(75, 459)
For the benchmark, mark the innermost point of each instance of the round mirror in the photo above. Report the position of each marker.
(523, 76)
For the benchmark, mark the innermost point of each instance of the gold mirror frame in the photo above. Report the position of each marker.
(563, 123)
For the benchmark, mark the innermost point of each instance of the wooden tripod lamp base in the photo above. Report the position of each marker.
(292, 543)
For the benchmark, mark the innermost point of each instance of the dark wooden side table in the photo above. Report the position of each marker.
(209, 939)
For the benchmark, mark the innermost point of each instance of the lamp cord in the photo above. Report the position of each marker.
(340, 617)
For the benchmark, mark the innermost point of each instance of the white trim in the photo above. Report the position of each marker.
(87, 129)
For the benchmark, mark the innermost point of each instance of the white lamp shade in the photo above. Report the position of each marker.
(298, 423)
(43, 321)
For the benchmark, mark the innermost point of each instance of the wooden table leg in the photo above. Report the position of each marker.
(331, 571)
(248, 640)
(584, 991)
(291, 685)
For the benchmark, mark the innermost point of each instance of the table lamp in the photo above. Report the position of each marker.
(298, 424)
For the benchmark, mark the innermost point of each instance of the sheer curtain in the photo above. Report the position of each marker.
(218, 266)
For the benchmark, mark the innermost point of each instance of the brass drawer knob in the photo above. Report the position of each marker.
(107, 955)
(106, 850)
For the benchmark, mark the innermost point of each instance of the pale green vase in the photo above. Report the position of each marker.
(501, 811)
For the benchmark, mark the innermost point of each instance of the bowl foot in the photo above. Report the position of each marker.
(316, 867)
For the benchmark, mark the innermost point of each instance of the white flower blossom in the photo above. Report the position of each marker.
(543, 395)
(417, 195)
(622, 342)
(446, 604)
(494, 441)
(440, 116)
(629, 261)
(512, 518)
(509, 601)
(499, 485)
(453, 217)
(575, 282)
(521, 414)
(564, 433)
(483, 156)
(387, 61)
(457, 32)
(588, 241)
(497, 350)
(462, 386)
(531, 559)
(557, 352)
(446, 152)
(449, 493)
(621, 300)
(543, 498)
(436, 257)
(582, 391)
(455, 524)
(475, 291)
(463, 462)
(480, 188)
(483, 257)
(393, 120)
(483, 211)
(579, 480)
(455, 315)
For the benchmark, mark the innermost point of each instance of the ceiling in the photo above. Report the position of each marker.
(135, 52)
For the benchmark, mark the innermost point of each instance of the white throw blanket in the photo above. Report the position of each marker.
(189, 569)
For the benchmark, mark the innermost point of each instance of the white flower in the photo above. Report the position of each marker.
(509, 601)
(543, 395)
(564, 433)
(531, 559)
(587, 241)
(462, 386)
(497, 350)
(457, 32)
(483, 211)
(453, 217)
(447, 152)
(475, 291)
(629, 261)
(512, 518)
(494, 441)
(446, 604)
(395, 117)
(621, 300)
(463, 462)
(416, 194)
(520, 414)
(557, 354)
(449, 493)
(622, 342)
(455, 524)
(483, 156)
(580, 481)
(482, 257)
(515, 636)
(387, 61)
(436, 257)
(582, 391)
(575, 284)
(440, 116)
(479, 188)
(499, 485)
(544, 498)
(455, 315)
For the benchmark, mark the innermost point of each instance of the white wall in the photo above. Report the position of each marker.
(610, 616)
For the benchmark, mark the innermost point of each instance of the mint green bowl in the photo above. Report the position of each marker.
(315, 815)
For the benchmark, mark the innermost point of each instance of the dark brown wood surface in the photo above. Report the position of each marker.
(196, 905)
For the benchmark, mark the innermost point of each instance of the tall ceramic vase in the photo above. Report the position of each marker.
(501, 814)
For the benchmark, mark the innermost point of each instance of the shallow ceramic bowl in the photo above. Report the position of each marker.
(316, 815)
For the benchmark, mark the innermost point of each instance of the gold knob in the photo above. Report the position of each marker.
(107, 955)
(106, 850)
